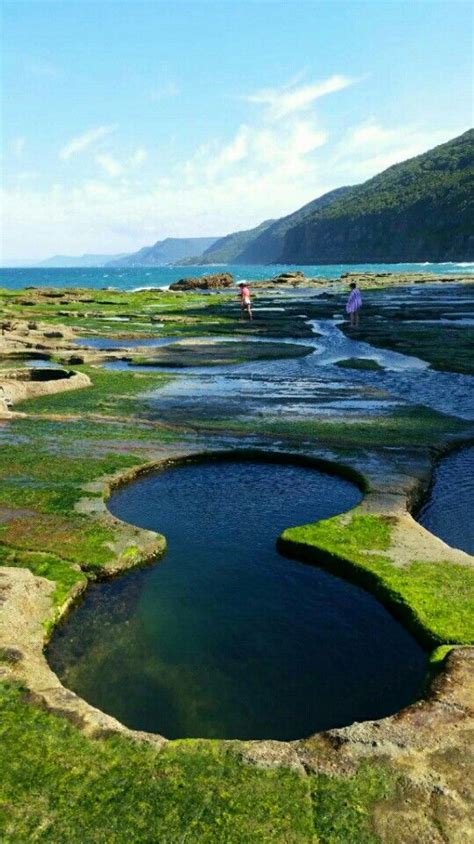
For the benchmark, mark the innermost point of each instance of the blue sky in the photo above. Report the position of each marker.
(127, 122)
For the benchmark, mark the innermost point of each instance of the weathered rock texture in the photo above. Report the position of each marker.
(20, 384)
(205, 282)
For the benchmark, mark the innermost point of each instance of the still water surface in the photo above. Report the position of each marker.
(449, 510)
(224, 637)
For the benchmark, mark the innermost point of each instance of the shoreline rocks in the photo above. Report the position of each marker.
(215, 281)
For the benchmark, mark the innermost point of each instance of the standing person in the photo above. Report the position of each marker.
(354, 304)
(245, 301)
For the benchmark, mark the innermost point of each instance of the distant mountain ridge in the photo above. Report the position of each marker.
(419, 210)
(163, 252)
(86, 260)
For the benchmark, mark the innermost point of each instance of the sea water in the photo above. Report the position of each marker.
(138, 277)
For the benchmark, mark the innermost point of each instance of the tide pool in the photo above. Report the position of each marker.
(224, 637)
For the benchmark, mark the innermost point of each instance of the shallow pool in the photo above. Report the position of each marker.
(224, 637)
(449, 510)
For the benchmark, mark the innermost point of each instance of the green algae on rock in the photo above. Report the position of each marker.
(433, 597)
(216, 353)
(373, 781)
(408, 427)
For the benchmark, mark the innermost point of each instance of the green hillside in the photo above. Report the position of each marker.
(227, 249)
(420, 210)
(268, 245)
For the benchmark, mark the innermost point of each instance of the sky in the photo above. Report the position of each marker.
(126, 122)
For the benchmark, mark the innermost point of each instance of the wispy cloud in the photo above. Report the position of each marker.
(292, 98)
(82, 142)
(257, 149)
(139, 156)
(109, 164)
(254, 172)
(369, 147)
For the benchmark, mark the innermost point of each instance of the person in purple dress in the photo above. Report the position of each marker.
(354, 304)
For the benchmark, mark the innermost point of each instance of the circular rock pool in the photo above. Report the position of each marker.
(224, 637)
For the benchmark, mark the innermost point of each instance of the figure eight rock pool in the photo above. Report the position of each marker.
(224, 637)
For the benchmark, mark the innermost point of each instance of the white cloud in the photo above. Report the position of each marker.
(109, 164)
(139, 156)
(82, 142)
(369, 148)
(260, 170)
(370, 133)
(258, 148)
(290, 99)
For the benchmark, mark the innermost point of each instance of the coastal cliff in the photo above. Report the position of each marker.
(420, 210)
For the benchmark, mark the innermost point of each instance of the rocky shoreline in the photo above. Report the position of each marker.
(298, 279)
(72, 446)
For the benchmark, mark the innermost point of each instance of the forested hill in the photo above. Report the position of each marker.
(227, 249)
(420, 210)
(268, 245)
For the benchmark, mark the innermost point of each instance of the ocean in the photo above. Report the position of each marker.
(133, 279)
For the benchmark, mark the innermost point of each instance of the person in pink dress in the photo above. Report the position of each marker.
(354, 304)
(245, 301)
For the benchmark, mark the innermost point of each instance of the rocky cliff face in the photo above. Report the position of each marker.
(420, 210)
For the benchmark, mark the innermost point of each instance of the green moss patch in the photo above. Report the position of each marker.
(444, 347)
(434, 598)
(404, 427)
(57, 785)
(46, 464)
(46, 565)
(343, 807)
(114, 393)
(219, 354)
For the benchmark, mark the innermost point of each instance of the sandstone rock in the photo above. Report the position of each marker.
(205, 282)
(287, 278)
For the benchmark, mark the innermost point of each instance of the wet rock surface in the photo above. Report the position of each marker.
(183, 354)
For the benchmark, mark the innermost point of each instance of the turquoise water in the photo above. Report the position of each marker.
(224, 637)
(130, 279)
